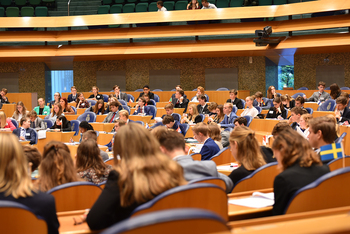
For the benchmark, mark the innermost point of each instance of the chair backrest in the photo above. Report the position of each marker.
(105, 97)
(223, 156)
(48, 123)
(110, 161)
(339, 140)
(345, 88)
(261, 178)
(337, 163)
(222, 89)
(206, 95)
(202, 116)
(188, 196)
(303, 88)
(196, 156)
(156, 98)
(87, 116)
(74, 109)
(73, 196)
(328, 191)
(309, 110)
(75, 126)
(327, 88)
(14, 122)
(91, 102)
(18, 218)
(210, 180)
(173, 221)
(297, 95)
(154, 102)
(234, 109)
(36, 137)
(258, 108)
(122, 102)
(139, 90)
(159, 90)
(287, 111)
(153, 110)
(184, 128)
(328, 105)
(125, 107)
(249, 119)
(178, 115)
(130, 97)
(243, 102)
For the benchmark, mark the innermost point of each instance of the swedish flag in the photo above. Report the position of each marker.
(331, 151)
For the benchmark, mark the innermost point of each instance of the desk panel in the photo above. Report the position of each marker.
(54, 136)
(9, 109)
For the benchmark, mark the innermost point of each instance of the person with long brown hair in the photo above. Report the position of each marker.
(246, 150)
(66, 109)
(99, 108)
(56, 167)
(300, 166)
(335, 91)
(81, 102)
(20, 112)
(89, 163)
(271, 92)
(16, 184)
(142, 173)
(56, 112)
(278, 110)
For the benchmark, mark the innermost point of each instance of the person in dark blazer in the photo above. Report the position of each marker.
(228, 121)
(62, 125)
(180, 101)
(95, 95)
(119, 95)
(73, 96)
(3, 98)
(35, 122)
(141, 108)
(178, 87)
(258, 101)
(146, 90)
(202, 107)
(342, 112)
(234, 99)
(300, 166)
(169, 109)
(277, 111)
(201, 134)
(25, 133)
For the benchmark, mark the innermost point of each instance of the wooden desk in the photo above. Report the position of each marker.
(67, 223)
(264, 125)
(100, 118)
(104, 138)
(105, 127)
(145, 119)
(54, 136)
(29, 100)
(322, 113)
(346, 140)
(259, 135)
(312, 105)
(81, 111)
(73, 150)
(8, 109)
(71, 117)
(24, 142)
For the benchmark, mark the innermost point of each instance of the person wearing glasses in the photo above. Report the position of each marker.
(147, 91)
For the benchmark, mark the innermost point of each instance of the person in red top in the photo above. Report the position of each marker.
(5, 123)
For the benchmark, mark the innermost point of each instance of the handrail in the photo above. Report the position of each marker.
(68, 6)
(176, 16)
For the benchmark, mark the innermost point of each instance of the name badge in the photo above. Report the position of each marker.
(83, 104)
(45, 112)
(27, 134)
(270, 112)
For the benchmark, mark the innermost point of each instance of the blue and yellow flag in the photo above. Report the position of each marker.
(331, 151)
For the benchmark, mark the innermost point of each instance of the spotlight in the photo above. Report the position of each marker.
(266, 32)
(263, 35)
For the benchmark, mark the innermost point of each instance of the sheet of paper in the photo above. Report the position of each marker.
(41, 134)
(253, 202)
(227, 168)
(270, 196)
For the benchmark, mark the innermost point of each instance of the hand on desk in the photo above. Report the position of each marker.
(22, 138)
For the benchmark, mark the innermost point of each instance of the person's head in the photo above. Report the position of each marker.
(245, 148)
(178, 87)
(321, 86)
(322, 131)
(64, 102)
(146, 88)
(304, 121)
(3, 92)
(141, 102)
(25, 122)
(20, 108)
(100, 105)
(85, 126)
(2, 119)
(56, 167)
(61, 120)
(14, 177)
(169, 108)
(220, 110)
(271, 92)
(296, 113)
(289, 148)
(202, 99)
(33, 115)
(90, 134)
(200, 90)
(258, 96)
(240, 121)
(57, 109)
(233, 94)
(168, 121)
(73, 90)
(33, 156)
(95, 90)
(160, 4)
(88, 157)
(346, 95)
(341, 103)
(227, 108)
(214, 131)
(41, 102)
(299, 101)
(57, 96)
(124, 115)
(144, 172)
(192, 110)
(179, 93)
(116, 89)
(249, 101)
(201, 132)
(212, 107)
(280, 127)
(205, 3)
(113, 106)
(335, 90)
(81, 96)
(170, 141)
(285, 99)
(277, 103)
(118, 124)
(146, 96)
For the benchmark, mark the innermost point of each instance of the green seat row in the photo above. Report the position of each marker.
(39, 11)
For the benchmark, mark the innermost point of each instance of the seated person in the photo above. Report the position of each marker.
(62, 125)
(250, 110)
(25, 133)
(82, 103)
(172, 144)
(160, 6)
(17, 185)
(229, 116)
(57, 98)
(146, 90)
(141, 109)
(66, 108)
(246, 151)
(119, 95)
(299, 102)
(170, 123)
(277, 111)
(142, 173)
(56, 112)
(217, 113)
(259, 100)
(294, 120)
(91, 134)
(346, 95)
(20, 112)
(180, 101)
(124, 115)
(251, 3)
(202, 107)
(200, 90)
(33, 157)
(148, 101)
(235, 100)
(207, 5)
(35, 122)
(99, 108)
(319, 96)
(271, 92)
(201, 134)
(335, 91)
(110, 100)
(114, 112)
(5, 123)
(178, 87)
(300, 167)
(42, 109)
(240, 121)
(193, 5)
(118, 124)
(84, 126)
(89, 163)
(215, 133)
(95, 95)
(193, 117)
(169, 109)
(73, 96)
(342, 112)
(3, 98)
(304, 124)
(287, 101)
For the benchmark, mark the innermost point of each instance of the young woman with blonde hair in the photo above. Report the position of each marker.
(5, 123)
(193, 117)
(246, 150)
(142, 173)
(16, 184)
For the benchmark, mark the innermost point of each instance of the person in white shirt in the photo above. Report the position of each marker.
(207, 5)
(251, 110)
(160, 6)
